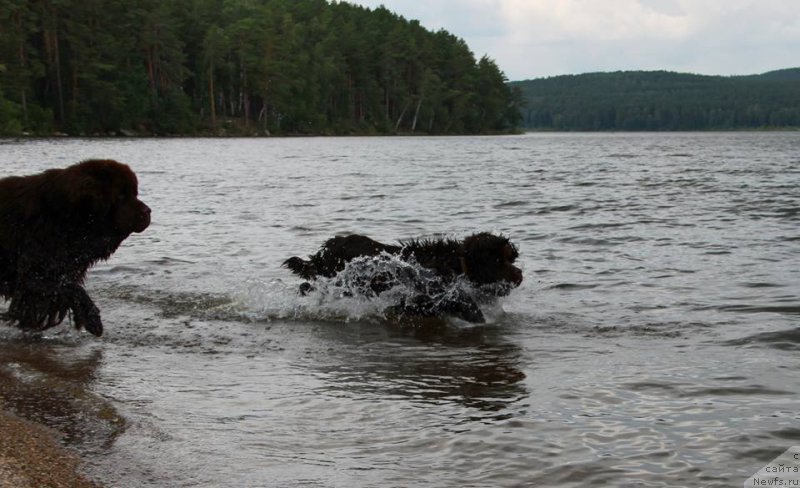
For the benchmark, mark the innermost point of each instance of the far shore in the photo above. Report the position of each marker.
(203, 135)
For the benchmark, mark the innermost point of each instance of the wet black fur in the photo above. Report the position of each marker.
(484, 259)
(53, 227)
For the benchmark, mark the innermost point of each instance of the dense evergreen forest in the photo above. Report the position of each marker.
(239, 67)
(661, 100)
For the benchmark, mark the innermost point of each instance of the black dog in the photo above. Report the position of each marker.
(53, 227)
(485, 260)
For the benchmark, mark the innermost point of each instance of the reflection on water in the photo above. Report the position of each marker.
(652, 343)
(472, 367)
(49, 381)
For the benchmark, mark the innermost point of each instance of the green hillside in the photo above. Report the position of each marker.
(661, 100)
(239, 67)
(781, 75)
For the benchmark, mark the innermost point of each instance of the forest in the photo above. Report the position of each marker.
(661, 100)
(239, 67)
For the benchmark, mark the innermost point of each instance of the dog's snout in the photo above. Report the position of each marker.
(144, 217)
(515, 276)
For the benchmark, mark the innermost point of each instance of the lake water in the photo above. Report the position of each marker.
(655, 340)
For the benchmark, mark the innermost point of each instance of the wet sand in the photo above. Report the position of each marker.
(31, 456)
(51, 422)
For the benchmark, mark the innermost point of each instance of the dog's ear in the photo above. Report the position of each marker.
(79, 192)
(486, 257)
(88, 194)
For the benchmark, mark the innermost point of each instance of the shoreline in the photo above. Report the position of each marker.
(31, 456)
(519, 131)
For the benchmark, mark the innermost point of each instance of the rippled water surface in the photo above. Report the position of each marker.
(654, 342)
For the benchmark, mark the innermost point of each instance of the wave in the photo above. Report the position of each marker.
(788, 340)
(349, 296)
(346, 297)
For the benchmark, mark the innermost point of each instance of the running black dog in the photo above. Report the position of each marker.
(53, 227)
(485, 260)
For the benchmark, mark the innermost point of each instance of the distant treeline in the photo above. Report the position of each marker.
(661, 100)
(238, 66)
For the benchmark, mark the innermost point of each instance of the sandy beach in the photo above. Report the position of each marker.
(31, 456)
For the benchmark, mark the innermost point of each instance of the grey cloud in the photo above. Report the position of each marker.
(725, 37)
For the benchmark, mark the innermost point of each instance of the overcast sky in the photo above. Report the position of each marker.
(536, 38)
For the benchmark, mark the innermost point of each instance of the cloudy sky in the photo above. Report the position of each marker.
(536, 38)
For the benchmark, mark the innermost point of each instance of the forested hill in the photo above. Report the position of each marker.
(238, 66)
(661, 100)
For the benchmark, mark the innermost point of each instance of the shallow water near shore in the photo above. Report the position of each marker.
(654, 341)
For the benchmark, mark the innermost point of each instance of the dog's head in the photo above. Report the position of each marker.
(489, 260)
(104, 194)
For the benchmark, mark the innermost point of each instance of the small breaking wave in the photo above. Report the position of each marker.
(347, 297)
(351, 295)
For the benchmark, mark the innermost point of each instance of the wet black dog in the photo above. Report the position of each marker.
(53, 227)
(485, 260)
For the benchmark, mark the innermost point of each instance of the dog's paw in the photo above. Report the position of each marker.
(94, 325)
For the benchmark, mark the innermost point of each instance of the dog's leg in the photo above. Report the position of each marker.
(463, 307)
(84, 311)
(26, 312)
(33, 305)
(38, 308)
(460, 306)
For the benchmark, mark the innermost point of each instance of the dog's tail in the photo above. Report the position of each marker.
(301, 267)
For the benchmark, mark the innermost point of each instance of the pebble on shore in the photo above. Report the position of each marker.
(31, 456)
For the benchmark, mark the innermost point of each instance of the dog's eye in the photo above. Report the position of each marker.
(511, 254)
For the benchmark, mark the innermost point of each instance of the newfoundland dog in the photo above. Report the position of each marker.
(485, 261)
(53, 227)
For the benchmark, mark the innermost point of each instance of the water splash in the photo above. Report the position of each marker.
(363, 291)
